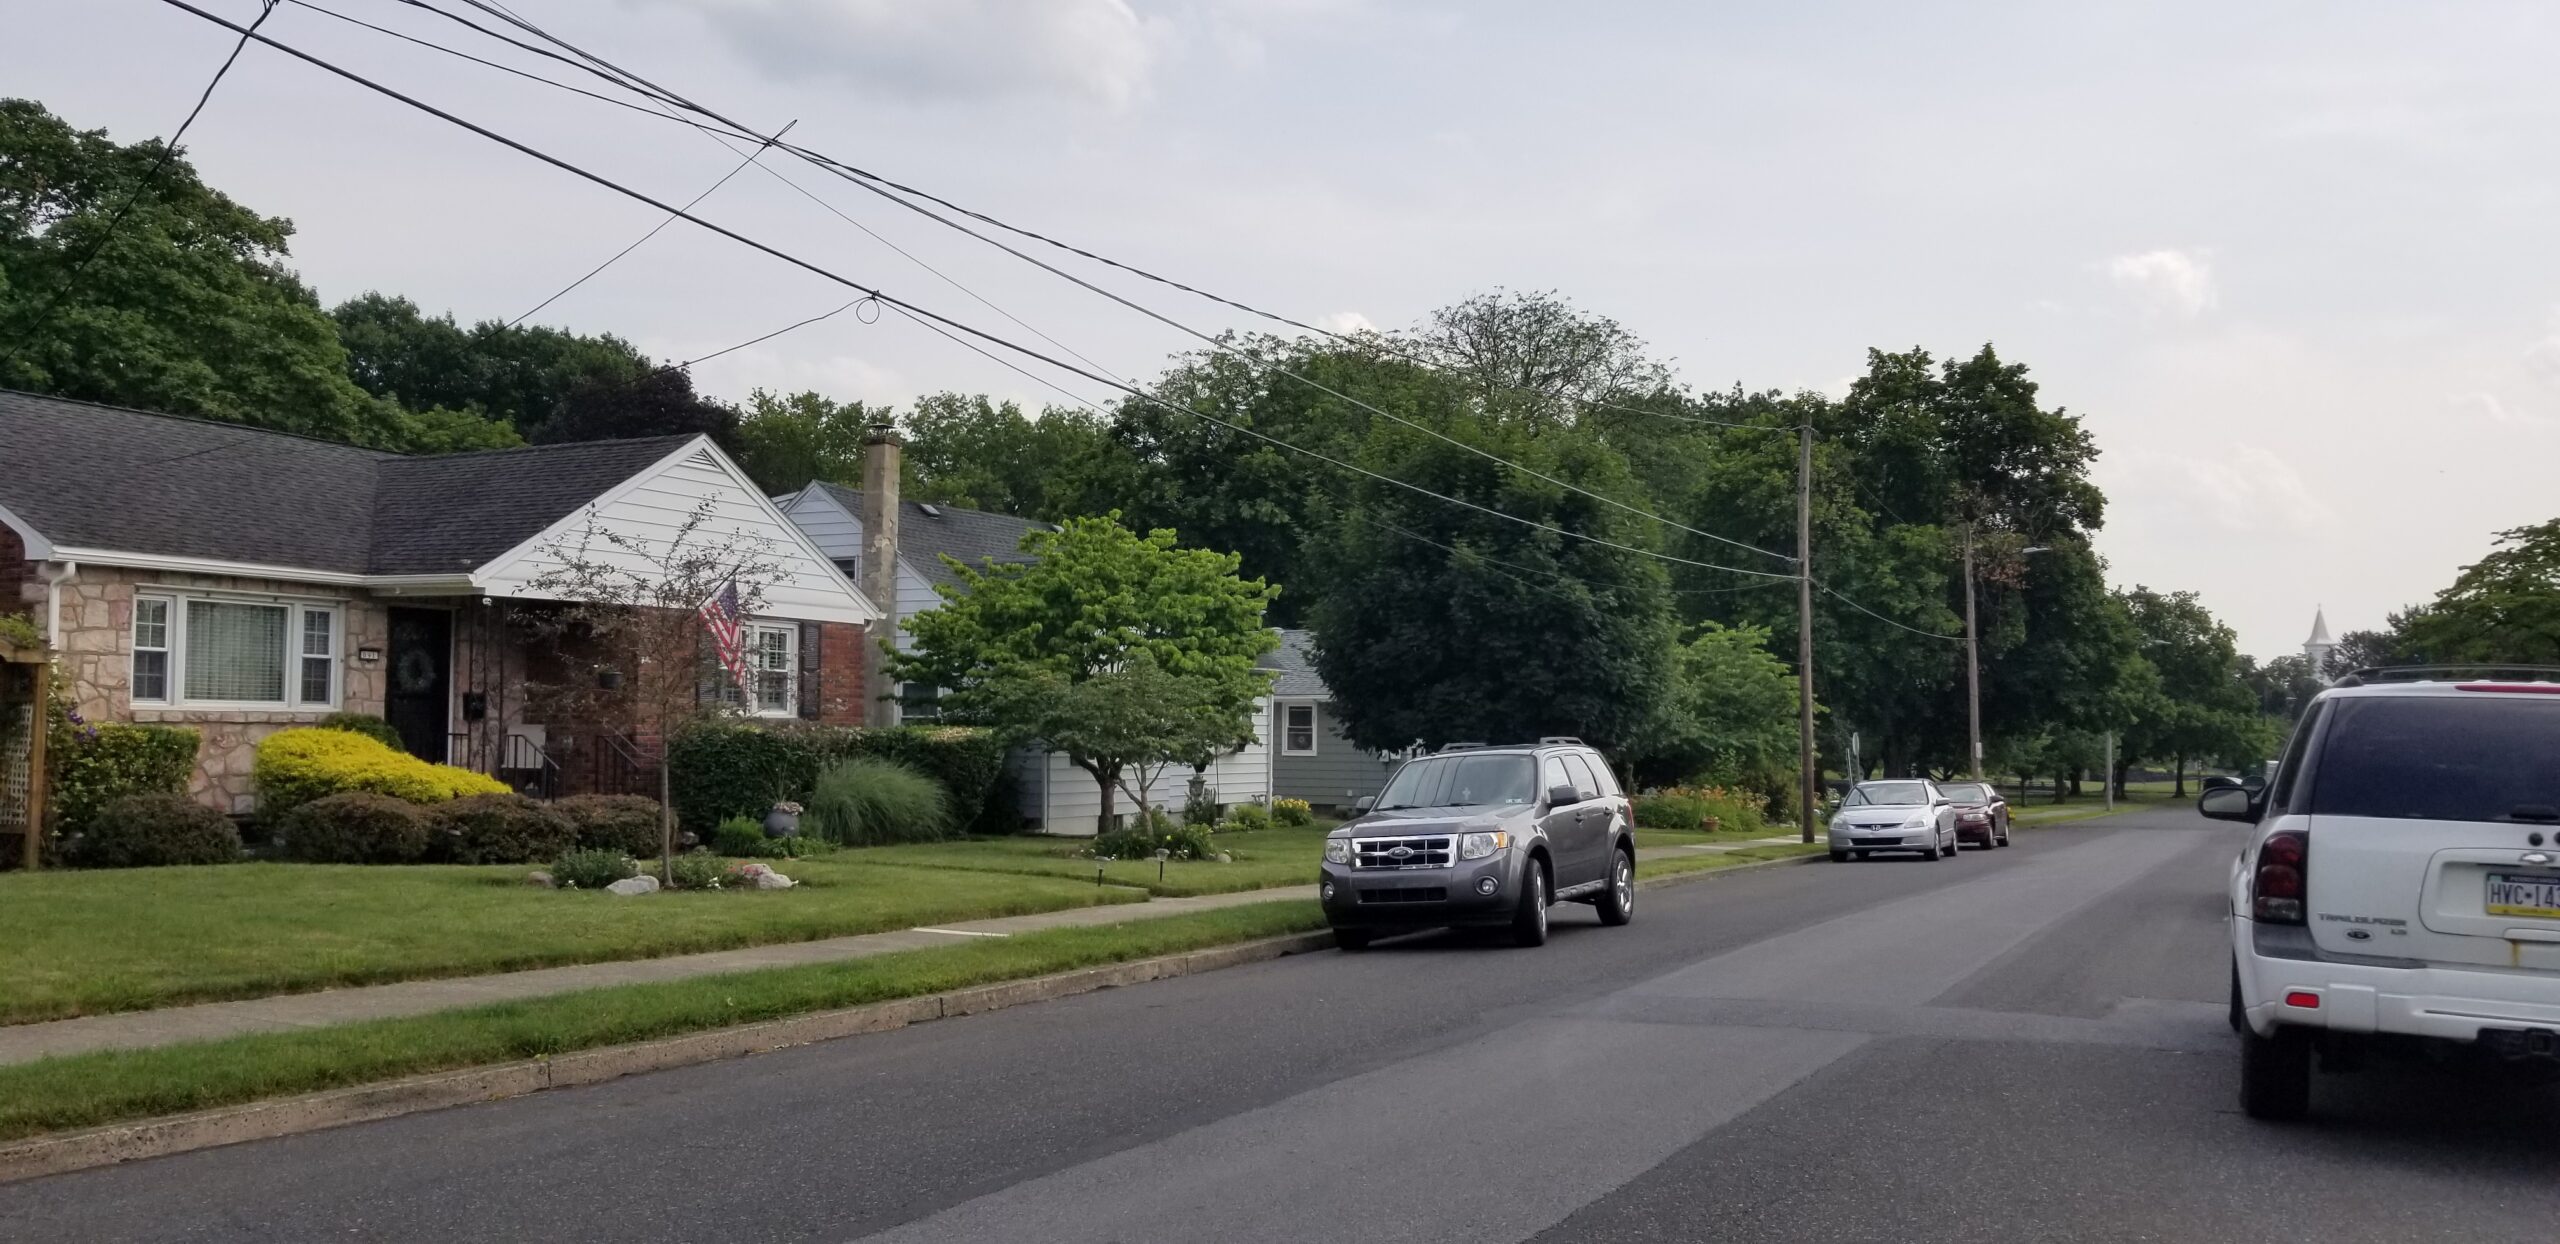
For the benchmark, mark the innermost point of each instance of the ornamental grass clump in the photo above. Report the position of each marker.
(868, 802)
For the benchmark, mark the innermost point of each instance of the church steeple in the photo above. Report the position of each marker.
(2316, 649)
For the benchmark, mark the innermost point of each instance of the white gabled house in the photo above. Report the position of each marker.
(1055, 796)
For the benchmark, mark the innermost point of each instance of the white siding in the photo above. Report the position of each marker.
(838, 534)
(1059, 798)
(653, 506)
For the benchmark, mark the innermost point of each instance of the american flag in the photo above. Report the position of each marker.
(720, 616)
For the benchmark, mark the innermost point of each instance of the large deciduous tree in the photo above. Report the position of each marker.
(2502, 610)
(2203, 710)
(1014, 646)
(125, 279)
(519, 375)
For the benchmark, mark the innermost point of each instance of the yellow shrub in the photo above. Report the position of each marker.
(295, 767)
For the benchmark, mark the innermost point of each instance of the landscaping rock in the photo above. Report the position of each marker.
(629, 886)
(538, 877)
(773, 881)
(1225, 858)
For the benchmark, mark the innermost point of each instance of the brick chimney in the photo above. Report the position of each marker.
(881, 451)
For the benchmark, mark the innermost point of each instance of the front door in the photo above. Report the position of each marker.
(419, 703)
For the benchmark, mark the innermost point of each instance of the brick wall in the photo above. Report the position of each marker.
(16, 572)
(839, 674)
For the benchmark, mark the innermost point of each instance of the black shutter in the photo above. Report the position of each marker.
(812, 687)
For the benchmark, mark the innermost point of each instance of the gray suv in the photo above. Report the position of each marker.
(1477, 836)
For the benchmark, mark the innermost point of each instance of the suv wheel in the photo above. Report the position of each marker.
(1529, 926)
(2275, 1075)
(1618, 903)
(1352, 939)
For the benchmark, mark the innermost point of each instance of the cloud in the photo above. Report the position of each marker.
(2488, 406)
(2237, 489)
(1346, 322)
(1098, 50)
(2168, 282)
(2542, 358)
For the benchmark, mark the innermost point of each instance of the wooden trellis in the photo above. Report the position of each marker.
(24, 674)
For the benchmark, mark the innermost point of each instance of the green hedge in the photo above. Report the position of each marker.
(95, 765)
(722, 769)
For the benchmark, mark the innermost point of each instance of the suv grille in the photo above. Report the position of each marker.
(1433, 852)
(1405, 894)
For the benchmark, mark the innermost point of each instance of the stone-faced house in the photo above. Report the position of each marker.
(1054, 795)
(240, 581)
(1311, 758)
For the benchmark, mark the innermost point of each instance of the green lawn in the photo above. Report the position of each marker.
(75, 943)
(91, 1089)
(1263, 859)
(1646, 837)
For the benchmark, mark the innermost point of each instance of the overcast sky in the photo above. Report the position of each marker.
(2293, 262)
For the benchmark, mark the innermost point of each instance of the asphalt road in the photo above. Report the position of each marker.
(2016, 1045)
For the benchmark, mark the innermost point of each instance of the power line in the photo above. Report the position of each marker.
(1881, 618)
(880, 186)
(939, 323)
(654, 230)
(168, 152)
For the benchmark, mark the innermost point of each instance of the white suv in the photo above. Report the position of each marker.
(2403, 881)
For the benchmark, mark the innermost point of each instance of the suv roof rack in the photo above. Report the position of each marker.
(1460, 747)
(1559, 738)
(2425, 673)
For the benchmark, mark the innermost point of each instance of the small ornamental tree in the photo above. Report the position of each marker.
(631, 617)
(1123, 651)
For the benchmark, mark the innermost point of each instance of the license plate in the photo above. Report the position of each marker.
(2524, 894)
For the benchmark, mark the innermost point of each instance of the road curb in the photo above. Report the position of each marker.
(117, 1143)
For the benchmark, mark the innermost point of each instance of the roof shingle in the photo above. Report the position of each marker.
(110, 478)
(928, 533)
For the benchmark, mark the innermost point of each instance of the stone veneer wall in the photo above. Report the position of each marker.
(16, 572)
(97, 633)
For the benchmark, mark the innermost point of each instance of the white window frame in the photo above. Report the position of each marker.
(166, 648)
(296, 609)
(750, 698)
(1315, 723)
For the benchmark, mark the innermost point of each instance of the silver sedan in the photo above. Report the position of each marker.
(1909, 814)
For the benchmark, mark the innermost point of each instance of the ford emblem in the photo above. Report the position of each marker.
(1399, 853)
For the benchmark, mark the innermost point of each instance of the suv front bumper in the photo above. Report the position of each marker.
(2417, 1000)
(1423, 898)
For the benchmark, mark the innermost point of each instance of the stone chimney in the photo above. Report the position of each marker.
(881, 451)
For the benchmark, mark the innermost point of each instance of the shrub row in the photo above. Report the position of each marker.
(720, 770)
(1689, 807)
(91, 766)
(359, 827)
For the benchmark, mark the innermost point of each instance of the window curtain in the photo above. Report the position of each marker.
(235, 652)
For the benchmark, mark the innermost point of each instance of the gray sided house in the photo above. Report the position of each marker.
(238, 582)
(1055, 796)
(1311, 759)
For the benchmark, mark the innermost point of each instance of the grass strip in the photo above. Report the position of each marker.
(1708, 861)
(90, 1089)
(1261, 860)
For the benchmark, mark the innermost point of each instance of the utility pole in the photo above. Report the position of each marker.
(1809, 787)
(1972, 663)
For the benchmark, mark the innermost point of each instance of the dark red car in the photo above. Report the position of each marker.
(1982, 813)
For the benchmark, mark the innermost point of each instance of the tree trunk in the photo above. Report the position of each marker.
(2076, 774)
(666, 823)
(2181, 767)
(1108, 778)
(2122, 763)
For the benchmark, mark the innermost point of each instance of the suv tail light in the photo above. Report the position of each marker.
(2277, 890)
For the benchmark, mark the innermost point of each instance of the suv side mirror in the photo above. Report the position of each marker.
(1361, 806)
(2230, 803)
(1563, 795)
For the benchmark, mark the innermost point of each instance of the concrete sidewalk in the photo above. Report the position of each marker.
(22, 1043)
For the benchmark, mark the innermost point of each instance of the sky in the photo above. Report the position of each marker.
(2291, 261)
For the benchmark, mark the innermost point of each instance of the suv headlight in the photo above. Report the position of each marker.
(1478, 846)
(1337, 850)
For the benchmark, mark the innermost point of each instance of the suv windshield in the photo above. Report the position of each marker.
(1462, 781)
(1967, 792)
(2479, 757)
(1889, 794)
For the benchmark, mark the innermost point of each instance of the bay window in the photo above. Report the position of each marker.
(210, 651)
